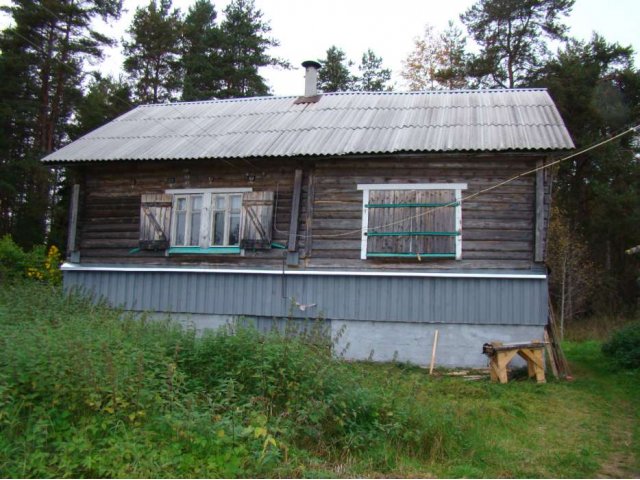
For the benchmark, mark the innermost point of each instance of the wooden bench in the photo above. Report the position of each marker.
(500, 354)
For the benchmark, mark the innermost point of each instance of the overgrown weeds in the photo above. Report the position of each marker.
(88, 391)
(91, 391)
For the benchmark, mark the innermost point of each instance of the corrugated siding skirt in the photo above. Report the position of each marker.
(478, 301)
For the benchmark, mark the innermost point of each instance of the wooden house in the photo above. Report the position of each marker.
(358, 208)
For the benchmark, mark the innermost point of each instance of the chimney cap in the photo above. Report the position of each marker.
(311, 63)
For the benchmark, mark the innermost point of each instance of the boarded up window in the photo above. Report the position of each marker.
(412, 223)
(155, 221)
(257, 220)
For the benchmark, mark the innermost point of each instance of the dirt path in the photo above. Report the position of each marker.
(622, 462)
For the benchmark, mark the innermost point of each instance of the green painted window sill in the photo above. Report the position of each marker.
(203, 251)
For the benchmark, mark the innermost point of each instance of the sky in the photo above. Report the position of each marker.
(307, 29)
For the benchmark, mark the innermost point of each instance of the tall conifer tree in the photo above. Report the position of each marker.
(41, 62)
(153, 53)
(202, 54)
(246, 47)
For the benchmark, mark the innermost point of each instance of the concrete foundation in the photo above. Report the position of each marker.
(459, 345)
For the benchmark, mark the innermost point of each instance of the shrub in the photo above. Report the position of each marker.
(624, 346)
(38, 264)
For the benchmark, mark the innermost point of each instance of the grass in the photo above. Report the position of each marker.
(87, 391)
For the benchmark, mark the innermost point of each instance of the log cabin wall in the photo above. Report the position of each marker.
(498, 227)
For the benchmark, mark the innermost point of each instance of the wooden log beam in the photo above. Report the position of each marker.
(73, 222)
(295, 211)
(539, 220)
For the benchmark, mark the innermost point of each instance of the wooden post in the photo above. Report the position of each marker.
(308, 241)
(295, 211)
(433, 352)
(73, 221)
(539, 223)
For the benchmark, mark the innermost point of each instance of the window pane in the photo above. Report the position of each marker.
(236, 202)
(234, 230)
(196, 202)
(181, 204)
(220, 202)
(180, 227)
(195, 228)
(218, 229)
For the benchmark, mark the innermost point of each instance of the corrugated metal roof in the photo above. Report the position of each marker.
(338, 124)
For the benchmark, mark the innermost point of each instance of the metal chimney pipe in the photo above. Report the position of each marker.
(311, 77)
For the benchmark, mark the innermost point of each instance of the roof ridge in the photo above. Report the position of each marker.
(351, 92)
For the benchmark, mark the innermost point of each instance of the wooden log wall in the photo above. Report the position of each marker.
(498, 226)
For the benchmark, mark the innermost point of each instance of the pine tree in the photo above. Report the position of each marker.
(512, 36)
(335, 74)
(202, 53)
(245, 43)
(41, 62)
(153, 54)
(373, 78)
(452, 59)
(106, 98)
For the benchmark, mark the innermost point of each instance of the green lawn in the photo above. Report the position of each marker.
(86, 391)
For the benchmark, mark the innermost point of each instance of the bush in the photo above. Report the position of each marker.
(38, 264)
(624, 346)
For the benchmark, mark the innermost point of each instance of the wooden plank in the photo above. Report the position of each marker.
(539, 221)
(295, 211)
(73, 220)
(308, 243)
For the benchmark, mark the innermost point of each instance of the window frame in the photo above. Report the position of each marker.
(207, 213)
(366, 188)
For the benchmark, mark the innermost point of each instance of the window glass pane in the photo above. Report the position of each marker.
(196, 202)
(220, 202)
(218, 228)
(234, 230)
(181, 203)
(236, 201)
(195, 228)
(180, 227)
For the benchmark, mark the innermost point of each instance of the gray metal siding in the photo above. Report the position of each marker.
(478, 301)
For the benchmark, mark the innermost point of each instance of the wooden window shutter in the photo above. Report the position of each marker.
(155, 221)
(257, 220)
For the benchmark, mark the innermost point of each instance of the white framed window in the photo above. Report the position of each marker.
(412, 220)
(206, 218)
(225, 222)
(187, 214)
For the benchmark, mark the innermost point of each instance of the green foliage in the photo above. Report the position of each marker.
(597, 90)
(373, 77)
(511, 36)
(84, 389)
(152, 57)
(245, 45)
(106, 98)
(202, 51)
(42, 56)
(624, 346)
(335, 76)
(88, 391)
(38, 264)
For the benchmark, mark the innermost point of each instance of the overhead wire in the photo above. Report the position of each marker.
(432, 210)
